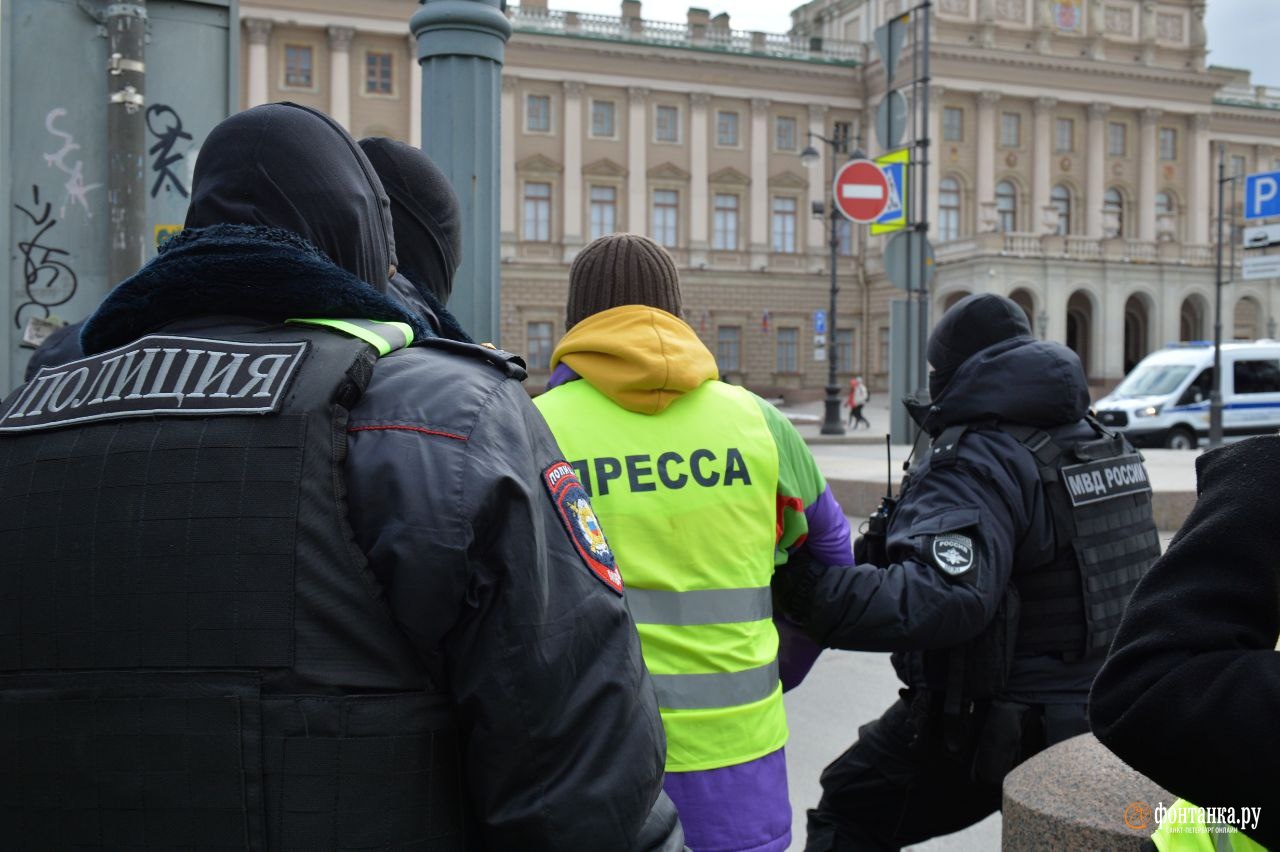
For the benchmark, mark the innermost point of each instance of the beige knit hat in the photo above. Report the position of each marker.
(621, 269)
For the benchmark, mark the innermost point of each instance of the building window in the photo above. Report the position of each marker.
(1060, 198)
(948, 209)
(537, 212)
(1007, 206)
(784, 225)
(788, 350)
(666, 124)
(1164, 203)
(841, 134)
(727, 129)
(844, 237)
(884, 349)
(1113, 213)
(1064, 133)
(1237, 166)
(784, 133)
(1010, 130)
(952, 124)
(666, 213)
(844, 350)
(1117, 139)
(377, 73)
(724, 230)
(538, 345)
(729, 348)
(297, 66)
(602, 119)
(604, 210)
(1168, 143)
(537, 113)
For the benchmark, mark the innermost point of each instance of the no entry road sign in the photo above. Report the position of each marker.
(861, 191)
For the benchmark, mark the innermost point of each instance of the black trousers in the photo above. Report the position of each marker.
(893, 788)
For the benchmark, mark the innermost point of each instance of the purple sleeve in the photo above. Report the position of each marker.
(829, 540)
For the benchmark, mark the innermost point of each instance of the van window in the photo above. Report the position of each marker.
(1153, 380)
(1256, 376)
(1199, 390)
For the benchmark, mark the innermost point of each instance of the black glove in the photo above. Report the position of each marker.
(793, 586)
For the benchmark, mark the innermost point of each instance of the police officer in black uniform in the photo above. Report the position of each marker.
(281, 569)
(998, 583)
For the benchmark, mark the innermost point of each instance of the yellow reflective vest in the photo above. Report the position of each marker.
(687, 498)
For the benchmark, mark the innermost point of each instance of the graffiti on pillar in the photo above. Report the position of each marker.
(77, 190)
(48, 279)
(165, 125)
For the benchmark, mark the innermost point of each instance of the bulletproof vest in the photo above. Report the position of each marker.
(193, 651)
(1105, 538)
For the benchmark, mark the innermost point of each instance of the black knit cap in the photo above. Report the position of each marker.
(621, 269)
(971, 325)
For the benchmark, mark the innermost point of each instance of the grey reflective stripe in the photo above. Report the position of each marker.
(1222, 837)
(701, 606)
(720, 689)
(398, 335)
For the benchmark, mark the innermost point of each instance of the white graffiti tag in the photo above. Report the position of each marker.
(77, 189)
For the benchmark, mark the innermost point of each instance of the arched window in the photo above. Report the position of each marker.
(1164, 203)
(948, 209)
(1006, 206)
(1060, 198)
(1113, 213)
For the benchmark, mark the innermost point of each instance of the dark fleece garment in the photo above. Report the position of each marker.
(58, 348)
(1190, 693)
(288, 166)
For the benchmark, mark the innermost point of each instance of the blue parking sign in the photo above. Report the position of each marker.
(1262, 195)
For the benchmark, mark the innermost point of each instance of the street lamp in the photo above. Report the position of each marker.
(832, 424)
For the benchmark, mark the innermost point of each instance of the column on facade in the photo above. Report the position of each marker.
(818, 181)
(985, 191)
(1095, 169)
(1199, 180)
(340, 74)
(935, 156)
(759, 182)
(1149, 154)
(699, 143)
(637, 147)
(1111, 366)
(1041, 160)
(572, 168)
(259, 31)
(415, 97)
(507, 170)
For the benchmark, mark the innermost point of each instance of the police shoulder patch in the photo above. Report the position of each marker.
(952, 554)
(580, 521)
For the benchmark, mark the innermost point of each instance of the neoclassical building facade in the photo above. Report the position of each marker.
(1073, 163)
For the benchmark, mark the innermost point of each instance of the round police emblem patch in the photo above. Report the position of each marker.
(952, 553)
(580, 521)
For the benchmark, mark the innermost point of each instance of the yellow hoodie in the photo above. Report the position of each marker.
(640, 357)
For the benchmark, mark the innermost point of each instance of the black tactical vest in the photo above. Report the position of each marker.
(1105, 537)
(193, 652)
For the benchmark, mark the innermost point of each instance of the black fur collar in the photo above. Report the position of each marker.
(265, 273)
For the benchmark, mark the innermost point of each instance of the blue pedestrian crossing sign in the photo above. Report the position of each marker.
(1262, 195)
(819, 322)
(895, 165)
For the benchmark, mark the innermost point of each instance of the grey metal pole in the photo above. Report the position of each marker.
(922, 209)
(126, 138)
(832, 424)
(1215, 395)
(461, 48)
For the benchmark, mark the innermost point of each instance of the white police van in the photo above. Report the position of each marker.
(1164, 401)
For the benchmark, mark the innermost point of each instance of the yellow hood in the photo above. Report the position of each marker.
(640, 357)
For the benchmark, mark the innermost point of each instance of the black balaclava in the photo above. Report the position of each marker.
(424, 213)
(971, 325)
(288, 166)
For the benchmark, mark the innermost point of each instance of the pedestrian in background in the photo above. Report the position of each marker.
(703, 489)
(858, 396)
(996, 585)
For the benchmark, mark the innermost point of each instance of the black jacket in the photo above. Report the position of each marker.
(563, 745)
(992, 495)
(1190, 693)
